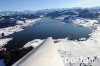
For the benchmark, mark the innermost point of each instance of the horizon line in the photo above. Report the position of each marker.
(49, 9)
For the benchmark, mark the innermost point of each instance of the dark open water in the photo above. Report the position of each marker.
(47, 27)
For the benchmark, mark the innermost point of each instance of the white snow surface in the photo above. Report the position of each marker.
(34, 43)
(77, 49)
(85, 22)
(45, 54)
(4, 41)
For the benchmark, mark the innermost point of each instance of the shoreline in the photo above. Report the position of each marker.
(10, 30)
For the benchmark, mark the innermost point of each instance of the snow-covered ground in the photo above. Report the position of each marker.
(19, 27)
(4, 41)
(88, 49)
(33, 43)
(85, 22)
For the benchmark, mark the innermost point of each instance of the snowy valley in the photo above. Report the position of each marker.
(86, 48)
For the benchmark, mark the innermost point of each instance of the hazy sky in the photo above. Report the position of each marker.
(9, 5)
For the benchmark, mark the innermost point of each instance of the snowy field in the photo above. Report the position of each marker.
(86, 22)
(88, 49)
